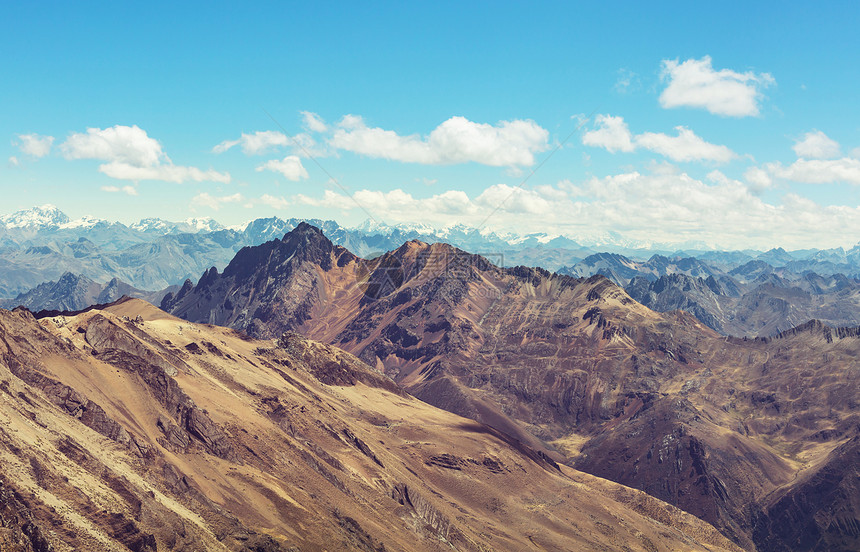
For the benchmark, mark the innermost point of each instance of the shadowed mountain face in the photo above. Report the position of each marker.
(127, 428)
(761, 307)
(754, 299)
(72, 292)
(573, 367)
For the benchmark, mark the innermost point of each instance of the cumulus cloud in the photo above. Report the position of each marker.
(314, 122)
(663, 208)
(613, 134)
(399, 206)
(515, 200)
(14, 162)
(290, 167)
(266, 141)
(686, 146)
(205, 199)
(123, 144)
(34, 145)
(758, 179)
(695, 83)
(258, 143)
(457, 140)
(816, 145)
(128, 153)
(818, 171)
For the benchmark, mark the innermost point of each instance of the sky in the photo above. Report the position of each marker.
(731, 126)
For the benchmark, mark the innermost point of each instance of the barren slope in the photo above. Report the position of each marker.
(127, 428)
(577, 369)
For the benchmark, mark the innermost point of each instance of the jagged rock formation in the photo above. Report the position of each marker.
(126, 428)
(572, 367)
(761, 307)
(72, 292)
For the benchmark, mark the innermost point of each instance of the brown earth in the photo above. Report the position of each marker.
(727, 429)
(124, 428)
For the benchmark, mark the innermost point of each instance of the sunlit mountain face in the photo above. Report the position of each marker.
(429, 277)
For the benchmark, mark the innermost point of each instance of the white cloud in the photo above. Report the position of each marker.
(205, 199)
(758, 179)
(855, 153)
(669, 208)
(612, 134)
(397, 205)
(818, 171)
(290, 167)
(34, 145)
(123, 144)
(258, 143)
(314, 122)
(164, 173)
(816, 145)
(695, 83)
(457, 140)
(129, 153)
(684, 147)
(13, 161)
(130, 190)
(515, 200)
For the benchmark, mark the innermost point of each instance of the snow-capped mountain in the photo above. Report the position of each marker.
(46, 216)
(199, 224)
(190, 226)
(85, 222)
(149, 225)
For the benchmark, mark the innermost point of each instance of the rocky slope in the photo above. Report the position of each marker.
(762, 306)
(124, 428)
(573, 367)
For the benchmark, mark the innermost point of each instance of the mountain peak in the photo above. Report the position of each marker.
(47, 215)
(303, 228)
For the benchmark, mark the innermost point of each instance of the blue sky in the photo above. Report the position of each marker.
(438, 113)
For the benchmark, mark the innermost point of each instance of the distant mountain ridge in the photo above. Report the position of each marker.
(72, 292)
(41, 244)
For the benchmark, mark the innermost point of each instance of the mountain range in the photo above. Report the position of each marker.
(745, 434)
(72, 292)
(124, 428)
(741, 293)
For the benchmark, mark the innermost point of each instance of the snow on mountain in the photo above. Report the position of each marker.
(370, 226)
(194, 225)
(200, 224)
(239, 227)
(37, 217)
(153, 225)
(86, 221)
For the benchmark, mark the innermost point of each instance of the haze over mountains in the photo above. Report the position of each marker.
(744, 434)
(177, 434)
(744, 293)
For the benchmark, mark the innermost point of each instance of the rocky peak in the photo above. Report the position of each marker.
(305, 243)
(69, 280)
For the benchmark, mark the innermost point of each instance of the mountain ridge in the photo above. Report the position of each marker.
(225, 443)
(575, 368)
